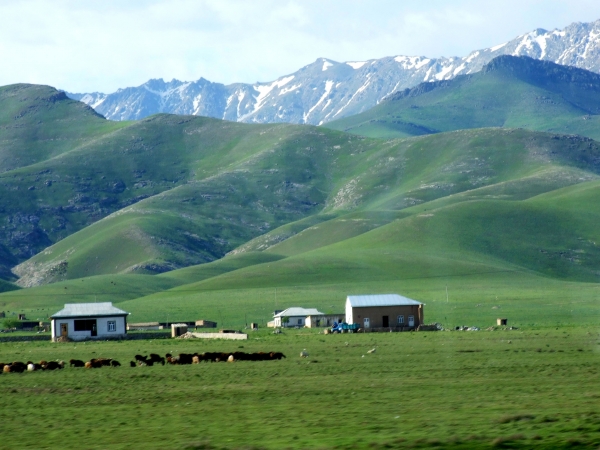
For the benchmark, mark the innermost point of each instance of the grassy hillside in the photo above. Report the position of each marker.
(52, 195)
(38, 123)
(283, 215)
(292, 185)
(509, 92)
(533, 260)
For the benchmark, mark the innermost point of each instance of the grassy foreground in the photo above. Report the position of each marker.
(487, 389)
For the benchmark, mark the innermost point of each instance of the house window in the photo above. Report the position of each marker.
(400, 320)
(84, 324)
(112, 325)
(299, 321)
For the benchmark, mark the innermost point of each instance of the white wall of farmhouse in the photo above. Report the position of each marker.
(106, 327)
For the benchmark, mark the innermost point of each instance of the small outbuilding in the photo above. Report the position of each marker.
(294, 317)
(80, 321)
(384, 311)
(323, 320)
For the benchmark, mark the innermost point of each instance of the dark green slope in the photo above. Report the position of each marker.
(291, 184)
(39, 122)
(199, 188)
(509, 92)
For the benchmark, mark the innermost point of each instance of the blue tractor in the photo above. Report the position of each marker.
(344, 327)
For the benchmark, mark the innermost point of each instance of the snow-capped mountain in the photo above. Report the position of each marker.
(326, 90)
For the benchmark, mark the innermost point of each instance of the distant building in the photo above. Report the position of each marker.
(294, 317)
(323, 320)
(79, 321)
(205, 324)
(384, 311)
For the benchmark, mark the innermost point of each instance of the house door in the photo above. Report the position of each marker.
(386, 321)
(64, 330)
(411, 321)
(366, 322)
(94, 331)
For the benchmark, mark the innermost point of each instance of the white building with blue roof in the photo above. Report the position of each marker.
(387, 311)
(80, 321)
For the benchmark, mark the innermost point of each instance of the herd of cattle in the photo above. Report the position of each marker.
(141, 360)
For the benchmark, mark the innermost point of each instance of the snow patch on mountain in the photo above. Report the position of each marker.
(328, 86)
(356, 64)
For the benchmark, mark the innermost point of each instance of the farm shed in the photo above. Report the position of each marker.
(323, 320)
(79, 321)
(384, 311)
(205, 324)
(294, 317)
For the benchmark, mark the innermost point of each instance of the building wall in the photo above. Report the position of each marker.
(101, 328)
(295, 321)
(375, 315)
(324, 320)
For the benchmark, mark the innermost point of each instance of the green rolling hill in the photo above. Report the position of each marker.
(188, 217)
(202, 220)
(511, 92)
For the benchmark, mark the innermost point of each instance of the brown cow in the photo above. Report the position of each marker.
(76, 363)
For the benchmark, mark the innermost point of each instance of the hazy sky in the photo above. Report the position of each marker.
(85, 46)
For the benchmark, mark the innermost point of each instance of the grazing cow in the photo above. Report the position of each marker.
(17, 367)
(104, 361)
(131, 363)
(185, 358)
(76, 363)
(261, 356)
(276, 355)
(93, 364)
(240, 356)
(210, 356)
(140, 358)
(304, 354)
(157, 359)
(52, 365)
(115, 363)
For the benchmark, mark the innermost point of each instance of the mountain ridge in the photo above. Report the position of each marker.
(509, 91)
(326, 90)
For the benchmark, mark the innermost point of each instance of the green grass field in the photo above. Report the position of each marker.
(486, 389)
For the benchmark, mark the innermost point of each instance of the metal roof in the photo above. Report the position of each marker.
(380, 300)
(89, 310)
(295, 311)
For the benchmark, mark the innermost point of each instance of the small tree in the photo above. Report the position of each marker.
(11, 323)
